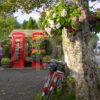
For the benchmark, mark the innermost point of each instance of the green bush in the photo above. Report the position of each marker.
(5, 61)
(98, 67)
(6, 47)
(38, 96)
(28, 59)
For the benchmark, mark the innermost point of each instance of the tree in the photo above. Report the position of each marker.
(24, 25)
(71, 17)
(7, 24)
(76, 44)
(32, 24)
(10, 6)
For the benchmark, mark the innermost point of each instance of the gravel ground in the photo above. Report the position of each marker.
(21, 84)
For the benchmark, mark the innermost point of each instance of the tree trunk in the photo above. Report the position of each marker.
(54, 47)
(79, 58)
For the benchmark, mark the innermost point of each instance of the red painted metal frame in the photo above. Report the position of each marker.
(53, 77)
(21, 37)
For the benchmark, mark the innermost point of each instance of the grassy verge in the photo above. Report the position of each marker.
(70, 96)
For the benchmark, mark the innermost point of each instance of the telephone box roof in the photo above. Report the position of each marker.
(28, 33)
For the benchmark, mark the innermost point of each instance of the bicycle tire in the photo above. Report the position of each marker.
(59, 88)
(50, 95)
(59, 85)
(47, 96)
(44, 97)
(53, 91)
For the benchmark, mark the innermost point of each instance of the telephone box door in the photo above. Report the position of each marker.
(17, 50)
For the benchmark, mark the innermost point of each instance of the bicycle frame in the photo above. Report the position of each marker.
(52, 79)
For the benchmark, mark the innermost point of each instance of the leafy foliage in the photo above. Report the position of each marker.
(70, 96)
(94, 21)
(5, 61)
(10, 6)
(7, 24)
(30, 24)
(63, 14)
(24, 25)
(93, 40)
(6, 47)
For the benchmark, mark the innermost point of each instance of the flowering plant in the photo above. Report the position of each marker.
(39, 38)
(94, 20)
(41, 51)
(64, 14)
(37, 46)
(46, 58)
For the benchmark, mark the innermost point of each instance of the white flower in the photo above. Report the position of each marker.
(52, 26)
(51, 22)
(63, 13)
(74, 18)
(54, 15)
(47, 13)
(48, 30)
(58, 25)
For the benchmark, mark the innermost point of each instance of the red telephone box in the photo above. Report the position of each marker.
(17, 49)
(37, 37)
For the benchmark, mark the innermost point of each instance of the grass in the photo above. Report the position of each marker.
(98, 67)
(38, 96)
(70, 96)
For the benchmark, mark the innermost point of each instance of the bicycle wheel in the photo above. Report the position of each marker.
(47, 96)
(58, 88)
(52, 88)
(43, 97)
(50, 95)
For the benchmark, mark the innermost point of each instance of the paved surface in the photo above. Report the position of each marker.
(21, 84)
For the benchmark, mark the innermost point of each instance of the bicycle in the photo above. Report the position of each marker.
(55, 79)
